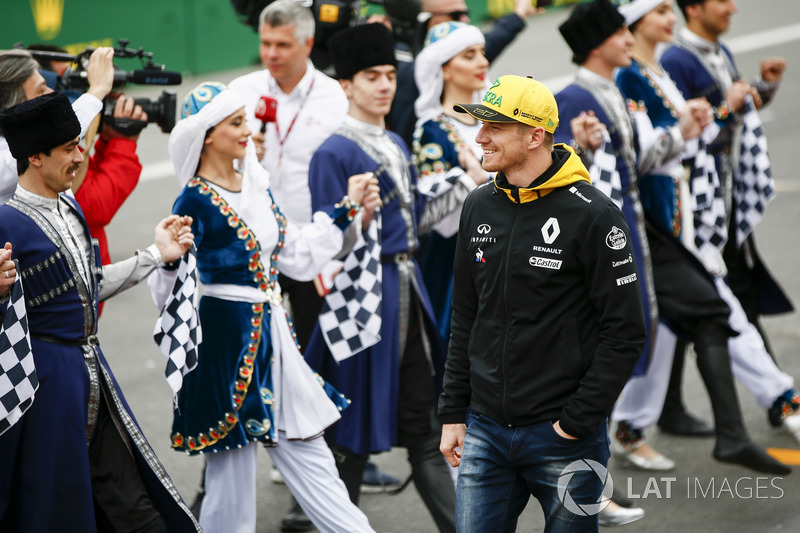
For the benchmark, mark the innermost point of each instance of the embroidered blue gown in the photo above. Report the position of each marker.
(250, 379)
(658, 190)
(436, 146)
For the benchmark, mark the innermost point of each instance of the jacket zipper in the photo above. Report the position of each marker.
(505, 304)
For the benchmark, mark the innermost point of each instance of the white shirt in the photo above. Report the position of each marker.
(118, 276)
(86, 108)
(317, 106)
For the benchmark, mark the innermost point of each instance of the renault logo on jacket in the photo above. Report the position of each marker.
(550, 230)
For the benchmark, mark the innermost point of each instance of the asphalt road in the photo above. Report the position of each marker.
(701, 495)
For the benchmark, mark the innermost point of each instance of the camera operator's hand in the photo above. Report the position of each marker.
(124, 108)
(525, 9)
(100, 72)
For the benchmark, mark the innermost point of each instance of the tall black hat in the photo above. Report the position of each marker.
(39, 124)
(589, 25)
(361, 47)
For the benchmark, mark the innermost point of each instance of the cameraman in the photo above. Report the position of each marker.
(20, 80)
(113, 173)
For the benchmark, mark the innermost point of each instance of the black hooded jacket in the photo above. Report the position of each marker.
(547, 313)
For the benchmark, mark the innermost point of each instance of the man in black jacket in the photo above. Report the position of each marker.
(547, 324)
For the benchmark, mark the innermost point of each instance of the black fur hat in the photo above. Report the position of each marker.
(39, 125)
(360, 47)
(589, 25)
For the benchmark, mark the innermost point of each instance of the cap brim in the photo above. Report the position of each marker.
(481, 112)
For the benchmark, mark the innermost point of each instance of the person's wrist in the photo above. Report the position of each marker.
(579, 150)
(349, 205)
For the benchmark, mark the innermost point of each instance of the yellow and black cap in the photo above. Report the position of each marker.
(516, 99)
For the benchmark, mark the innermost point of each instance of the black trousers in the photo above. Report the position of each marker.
(418, 431)
(121, 501)
(687, 298)
(415, 405)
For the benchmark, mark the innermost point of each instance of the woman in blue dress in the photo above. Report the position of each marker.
(450, 69)
(251, 384)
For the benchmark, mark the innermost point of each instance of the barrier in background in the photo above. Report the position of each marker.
(186, 35)
(192, 36)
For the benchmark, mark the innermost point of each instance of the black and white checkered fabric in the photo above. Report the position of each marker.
(18, 379)
(350, 319)
(708, 203)
(436, 184)
(754, 187)
(177, 332)
(603, 171)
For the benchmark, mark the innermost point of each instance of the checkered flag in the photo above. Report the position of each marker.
(177, 332)
(708, 204)
(18, 380)
(754, 188)
(438, 183)
(351, 313)
(603, 171)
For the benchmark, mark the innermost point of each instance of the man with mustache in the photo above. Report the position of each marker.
(72, 457)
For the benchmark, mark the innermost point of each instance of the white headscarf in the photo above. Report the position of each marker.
(187, 140)
(636, 9)
(456, 38)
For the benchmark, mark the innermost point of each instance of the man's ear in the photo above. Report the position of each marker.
(36, 160)
(536, 137)
(345, 85)
(693, 11)
(309, 44)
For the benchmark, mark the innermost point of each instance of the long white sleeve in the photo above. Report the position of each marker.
(309, 248)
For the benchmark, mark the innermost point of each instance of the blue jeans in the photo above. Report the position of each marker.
(501, 467)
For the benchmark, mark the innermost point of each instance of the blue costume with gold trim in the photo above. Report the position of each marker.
(45, 480)
(228, 400)
(435, 149)
(371, 378)
(659, 192)
(748, 275)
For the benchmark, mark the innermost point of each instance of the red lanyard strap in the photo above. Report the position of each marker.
(291, 124)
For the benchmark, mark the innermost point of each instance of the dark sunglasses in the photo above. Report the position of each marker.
(454, 15)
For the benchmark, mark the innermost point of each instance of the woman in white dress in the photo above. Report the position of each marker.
(251, 385)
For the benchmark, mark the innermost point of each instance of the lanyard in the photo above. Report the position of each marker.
(281, 141)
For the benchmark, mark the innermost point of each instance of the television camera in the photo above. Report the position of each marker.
(161, 110)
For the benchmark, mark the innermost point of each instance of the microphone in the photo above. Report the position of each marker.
(154, 77)
(266, 111)
(141, 77)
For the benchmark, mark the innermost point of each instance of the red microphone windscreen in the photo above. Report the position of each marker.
(266, 109)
